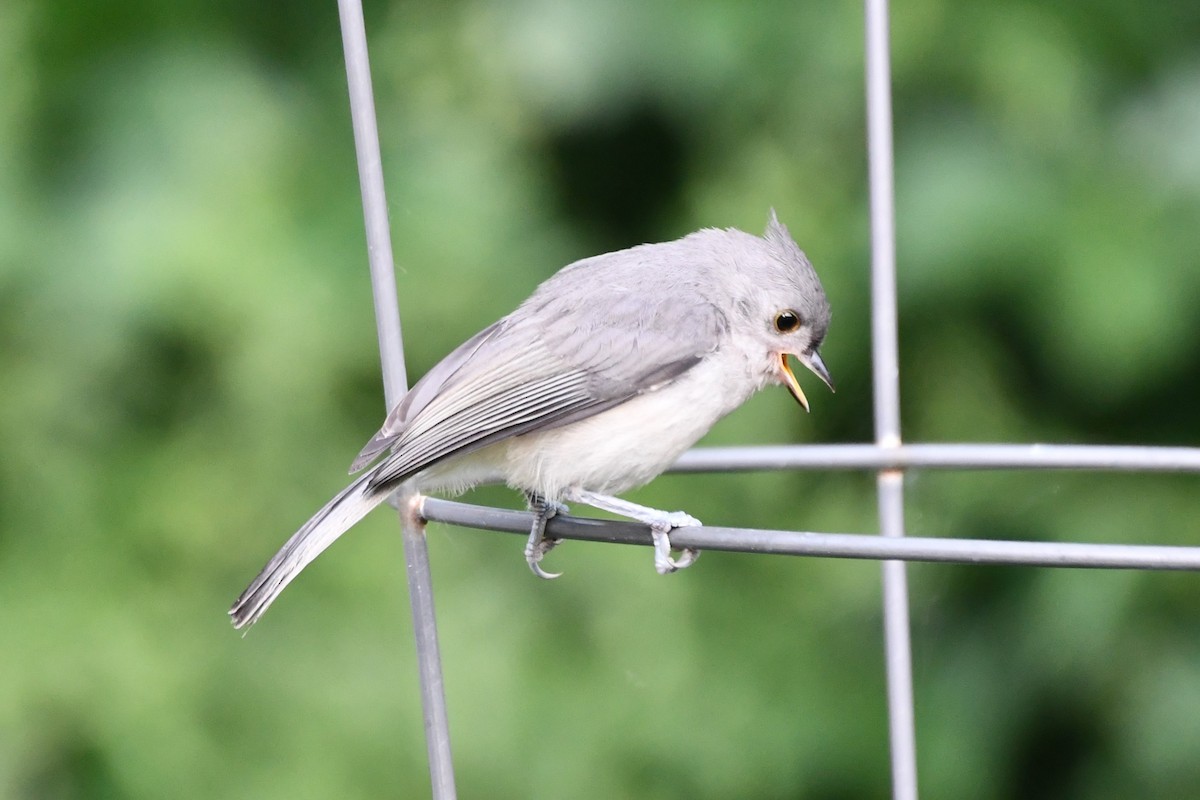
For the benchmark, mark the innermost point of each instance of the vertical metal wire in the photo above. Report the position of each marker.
(886, 371)
(391, 350)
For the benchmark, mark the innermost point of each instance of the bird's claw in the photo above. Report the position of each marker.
(538, 545)
(660, 530)
(535, 552)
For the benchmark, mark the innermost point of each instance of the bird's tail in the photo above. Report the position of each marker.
(350, 505)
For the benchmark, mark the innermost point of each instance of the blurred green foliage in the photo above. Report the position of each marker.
(187, 359)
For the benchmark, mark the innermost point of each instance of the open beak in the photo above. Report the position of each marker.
(816, 366)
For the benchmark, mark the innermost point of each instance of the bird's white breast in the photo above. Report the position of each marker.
(629, 445)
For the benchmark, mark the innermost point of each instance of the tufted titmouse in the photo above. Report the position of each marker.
(594, 385)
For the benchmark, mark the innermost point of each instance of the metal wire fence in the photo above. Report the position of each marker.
(888, 457)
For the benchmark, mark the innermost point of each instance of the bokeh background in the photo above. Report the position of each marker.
(188, 362)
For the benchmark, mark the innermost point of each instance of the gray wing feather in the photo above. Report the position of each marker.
(420, 395)
(566, 354)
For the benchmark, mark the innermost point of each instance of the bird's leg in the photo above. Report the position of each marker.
(538, 545)
(660, 522)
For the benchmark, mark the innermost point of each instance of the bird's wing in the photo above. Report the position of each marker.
(557, 359)
(420, 395)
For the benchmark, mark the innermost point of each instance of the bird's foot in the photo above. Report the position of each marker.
(660, 530)
(661, 524)
(537, 546)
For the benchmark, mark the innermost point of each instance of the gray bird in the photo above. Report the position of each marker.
(593, 386)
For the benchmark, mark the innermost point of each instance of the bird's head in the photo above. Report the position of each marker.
(784, 305)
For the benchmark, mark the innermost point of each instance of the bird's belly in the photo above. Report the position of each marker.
(618, 449)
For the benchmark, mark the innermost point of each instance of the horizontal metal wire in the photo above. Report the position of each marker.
(941, 456)
(1114, 458)
(831, 545)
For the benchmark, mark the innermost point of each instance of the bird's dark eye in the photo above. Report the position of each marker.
(787, 321)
